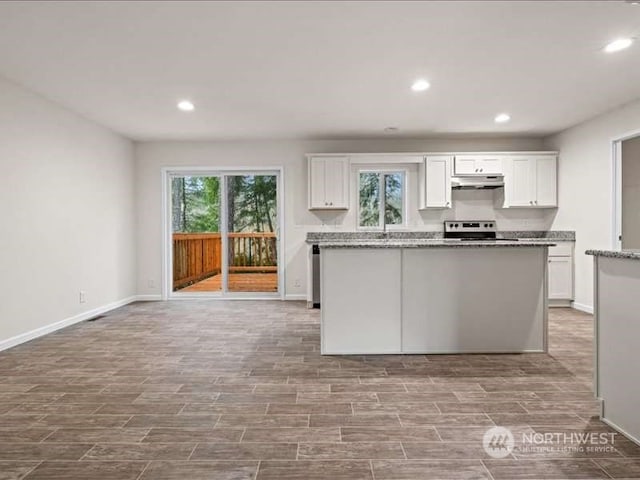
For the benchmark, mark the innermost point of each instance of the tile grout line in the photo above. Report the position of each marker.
(192, 450)
(33, 469)
(404, 451)
(145, 435)
(87, 452)
(487, 469)
(143, 470)
(55, 429)
(594, 461)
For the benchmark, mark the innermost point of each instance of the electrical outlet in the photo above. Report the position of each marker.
(83, 296)
(151, 283)
(296, 283)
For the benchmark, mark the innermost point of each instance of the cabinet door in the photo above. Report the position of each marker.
(317, 183)
(546, 184)
(490, 166)
(465, 165)
(521, 182)
(336, 175)
(438, 182)
(560, 278)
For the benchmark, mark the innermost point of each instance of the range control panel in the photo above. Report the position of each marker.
(470, 226)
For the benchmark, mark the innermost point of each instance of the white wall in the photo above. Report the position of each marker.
(585, 187)
(631, 193)
(67, 210)
(152, 156)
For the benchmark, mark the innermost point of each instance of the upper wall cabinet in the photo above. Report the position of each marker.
(328, 183)
(477, 165)
(530, 181)
(435, 182)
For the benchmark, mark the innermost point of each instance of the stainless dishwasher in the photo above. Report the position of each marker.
(315, 275)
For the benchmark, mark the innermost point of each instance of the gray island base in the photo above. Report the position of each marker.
(617, 338)
(433, 297)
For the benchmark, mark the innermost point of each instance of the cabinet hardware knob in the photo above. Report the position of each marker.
(448, 203)
(482, 169)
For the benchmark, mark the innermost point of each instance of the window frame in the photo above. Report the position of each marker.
(383, 171)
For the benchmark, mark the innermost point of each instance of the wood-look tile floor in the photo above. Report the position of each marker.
(238, 390)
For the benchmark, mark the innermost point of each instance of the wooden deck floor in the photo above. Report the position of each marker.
(238, 282)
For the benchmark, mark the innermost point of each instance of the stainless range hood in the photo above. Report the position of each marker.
(477, 182)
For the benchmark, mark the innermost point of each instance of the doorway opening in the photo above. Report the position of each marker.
(626, 151)
(223, 234)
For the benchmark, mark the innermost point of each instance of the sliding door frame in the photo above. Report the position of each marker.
(167, 174)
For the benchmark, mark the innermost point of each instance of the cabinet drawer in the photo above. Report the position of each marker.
(562, 249)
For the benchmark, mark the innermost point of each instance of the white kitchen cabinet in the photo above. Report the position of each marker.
(478, 165)
(530, 182)
(328, 183)
(546, 187)
(435, 182)
(560, 276)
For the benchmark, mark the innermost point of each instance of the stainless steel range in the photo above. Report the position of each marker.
(473, 230)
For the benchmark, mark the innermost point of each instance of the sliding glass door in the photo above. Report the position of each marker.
(252, 217)
(223, 233)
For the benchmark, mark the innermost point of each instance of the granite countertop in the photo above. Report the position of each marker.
(434, 239)
(430, 243)
(630, 254)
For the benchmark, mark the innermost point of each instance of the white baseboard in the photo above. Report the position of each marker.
(621, 430)
(296, 296)
(81, 317)
(148, 298)
(582, 307)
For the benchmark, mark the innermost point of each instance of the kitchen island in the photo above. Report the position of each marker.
(384, 296)
(617, 338)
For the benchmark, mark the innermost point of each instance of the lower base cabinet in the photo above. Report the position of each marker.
(560, 280)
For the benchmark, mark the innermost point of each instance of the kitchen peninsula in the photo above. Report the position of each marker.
(617, 337)
(432, 295)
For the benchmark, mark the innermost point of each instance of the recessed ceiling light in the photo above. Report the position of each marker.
(502, 118)
(186, 106)
(619, 44)
(420, 85)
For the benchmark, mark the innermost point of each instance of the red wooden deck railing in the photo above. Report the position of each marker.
(197, 256)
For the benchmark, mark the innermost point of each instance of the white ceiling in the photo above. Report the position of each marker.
(323, 69)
